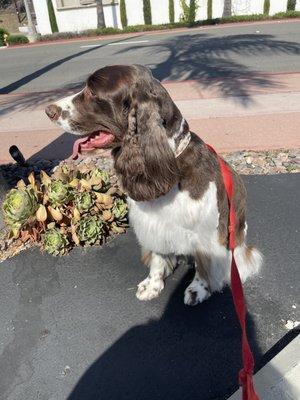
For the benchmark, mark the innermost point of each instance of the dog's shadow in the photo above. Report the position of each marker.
(190, 353)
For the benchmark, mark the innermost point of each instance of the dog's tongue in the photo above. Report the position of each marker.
(96, 140)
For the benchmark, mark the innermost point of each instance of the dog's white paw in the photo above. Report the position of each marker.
(196, 292)
(148, 289)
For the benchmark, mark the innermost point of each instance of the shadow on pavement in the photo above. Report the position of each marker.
(210, 61)
(190, 353)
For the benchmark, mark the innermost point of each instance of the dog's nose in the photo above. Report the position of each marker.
(53, 112)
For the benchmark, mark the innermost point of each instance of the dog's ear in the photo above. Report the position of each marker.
(145, 162)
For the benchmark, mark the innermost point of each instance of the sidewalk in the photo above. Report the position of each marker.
(279, 379)
(263, 118)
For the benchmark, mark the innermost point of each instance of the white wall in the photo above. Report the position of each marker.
(76, 19)
(42, 17)
(83, 18)
(134, 10)
(277, 6)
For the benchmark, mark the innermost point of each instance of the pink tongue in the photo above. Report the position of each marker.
(91, 142)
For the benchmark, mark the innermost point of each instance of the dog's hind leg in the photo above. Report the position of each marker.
(161, 267)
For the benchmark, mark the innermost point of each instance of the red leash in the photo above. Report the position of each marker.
(246, 373)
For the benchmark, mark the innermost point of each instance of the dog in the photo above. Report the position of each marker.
(176, 195)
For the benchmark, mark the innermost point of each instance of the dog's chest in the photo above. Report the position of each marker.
(174, 223)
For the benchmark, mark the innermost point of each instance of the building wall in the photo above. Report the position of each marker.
(78, 19)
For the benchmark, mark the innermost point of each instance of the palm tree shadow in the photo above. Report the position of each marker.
(209, 61)
(189, 353)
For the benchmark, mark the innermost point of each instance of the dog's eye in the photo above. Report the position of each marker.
(126, 105)
(164, 122)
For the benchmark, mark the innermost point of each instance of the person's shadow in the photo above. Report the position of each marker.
(190, 353)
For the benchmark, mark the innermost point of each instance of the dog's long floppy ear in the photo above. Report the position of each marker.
(146, 163)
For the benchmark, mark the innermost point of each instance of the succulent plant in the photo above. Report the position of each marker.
(89, 229)
(58, 192)
(119, 209)
(19, 206)
(105, 182)
(84, 201)
(55, 242)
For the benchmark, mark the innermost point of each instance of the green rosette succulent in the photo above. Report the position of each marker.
(59, 193)
(19, 206)
(89, 229)
(120, 209)
(55, 242)
(84, 201)
(99, 173)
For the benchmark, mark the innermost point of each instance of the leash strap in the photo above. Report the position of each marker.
(246, 373)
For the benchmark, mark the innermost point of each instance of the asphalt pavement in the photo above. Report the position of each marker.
(71, 328)
(201, 54)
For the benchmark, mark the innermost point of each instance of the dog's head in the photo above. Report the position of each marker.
(126, 108)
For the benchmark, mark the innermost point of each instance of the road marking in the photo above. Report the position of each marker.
(116, 43)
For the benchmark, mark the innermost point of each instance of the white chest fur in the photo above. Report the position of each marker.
(175, 223)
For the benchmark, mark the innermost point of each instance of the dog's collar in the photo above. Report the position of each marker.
(183, 144)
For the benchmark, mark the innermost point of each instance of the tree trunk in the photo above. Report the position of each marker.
(227, 8)
(32, 31)
(100, 14)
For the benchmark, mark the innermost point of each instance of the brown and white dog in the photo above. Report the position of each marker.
(176, 195)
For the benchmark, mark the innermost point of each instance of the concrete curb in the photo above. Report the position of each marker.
(279, 379)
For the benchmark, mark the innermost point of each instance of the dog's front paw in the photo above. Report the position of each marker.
(148, 289)
(196, 292)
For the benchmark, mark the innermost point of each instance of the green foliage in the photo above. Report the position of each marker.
(291, 5)
(266, 7)
(19, 207)
(58, 193)
(89, 229)
(52, 17)
(55, 242)
(123, 13)
(181, 24)
(17, 39)
(192, 11)
(171, 11)
(77, 205)
(2, 33)
(209, 9)
(147, 12)
(185, 10)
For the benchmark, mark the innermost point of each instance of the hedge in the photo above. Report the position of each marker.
(291, 5)
(52, 17)
(147, 12)
(123, 13)
(266, 7)
(171, 11)
(183, 24)
(209, 9)
(2, 33)
(17, 39)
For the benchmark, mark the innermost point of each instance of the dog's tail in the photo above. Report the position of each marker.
(248, 260)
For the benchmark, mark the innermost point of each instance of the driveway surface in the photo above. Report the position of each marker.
(71, 328)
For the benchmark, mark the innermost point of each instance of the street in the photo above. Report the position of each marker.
(200, 54)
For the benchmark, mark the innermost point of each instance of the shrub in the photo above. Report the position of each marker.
(123, 13)
(147, 12)
(171, 11)
(291, 5)
(52, 16)
(2, 33)
(17, 39)
(192, 11)
(185, 10)
(209, 9)
(266, 7)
